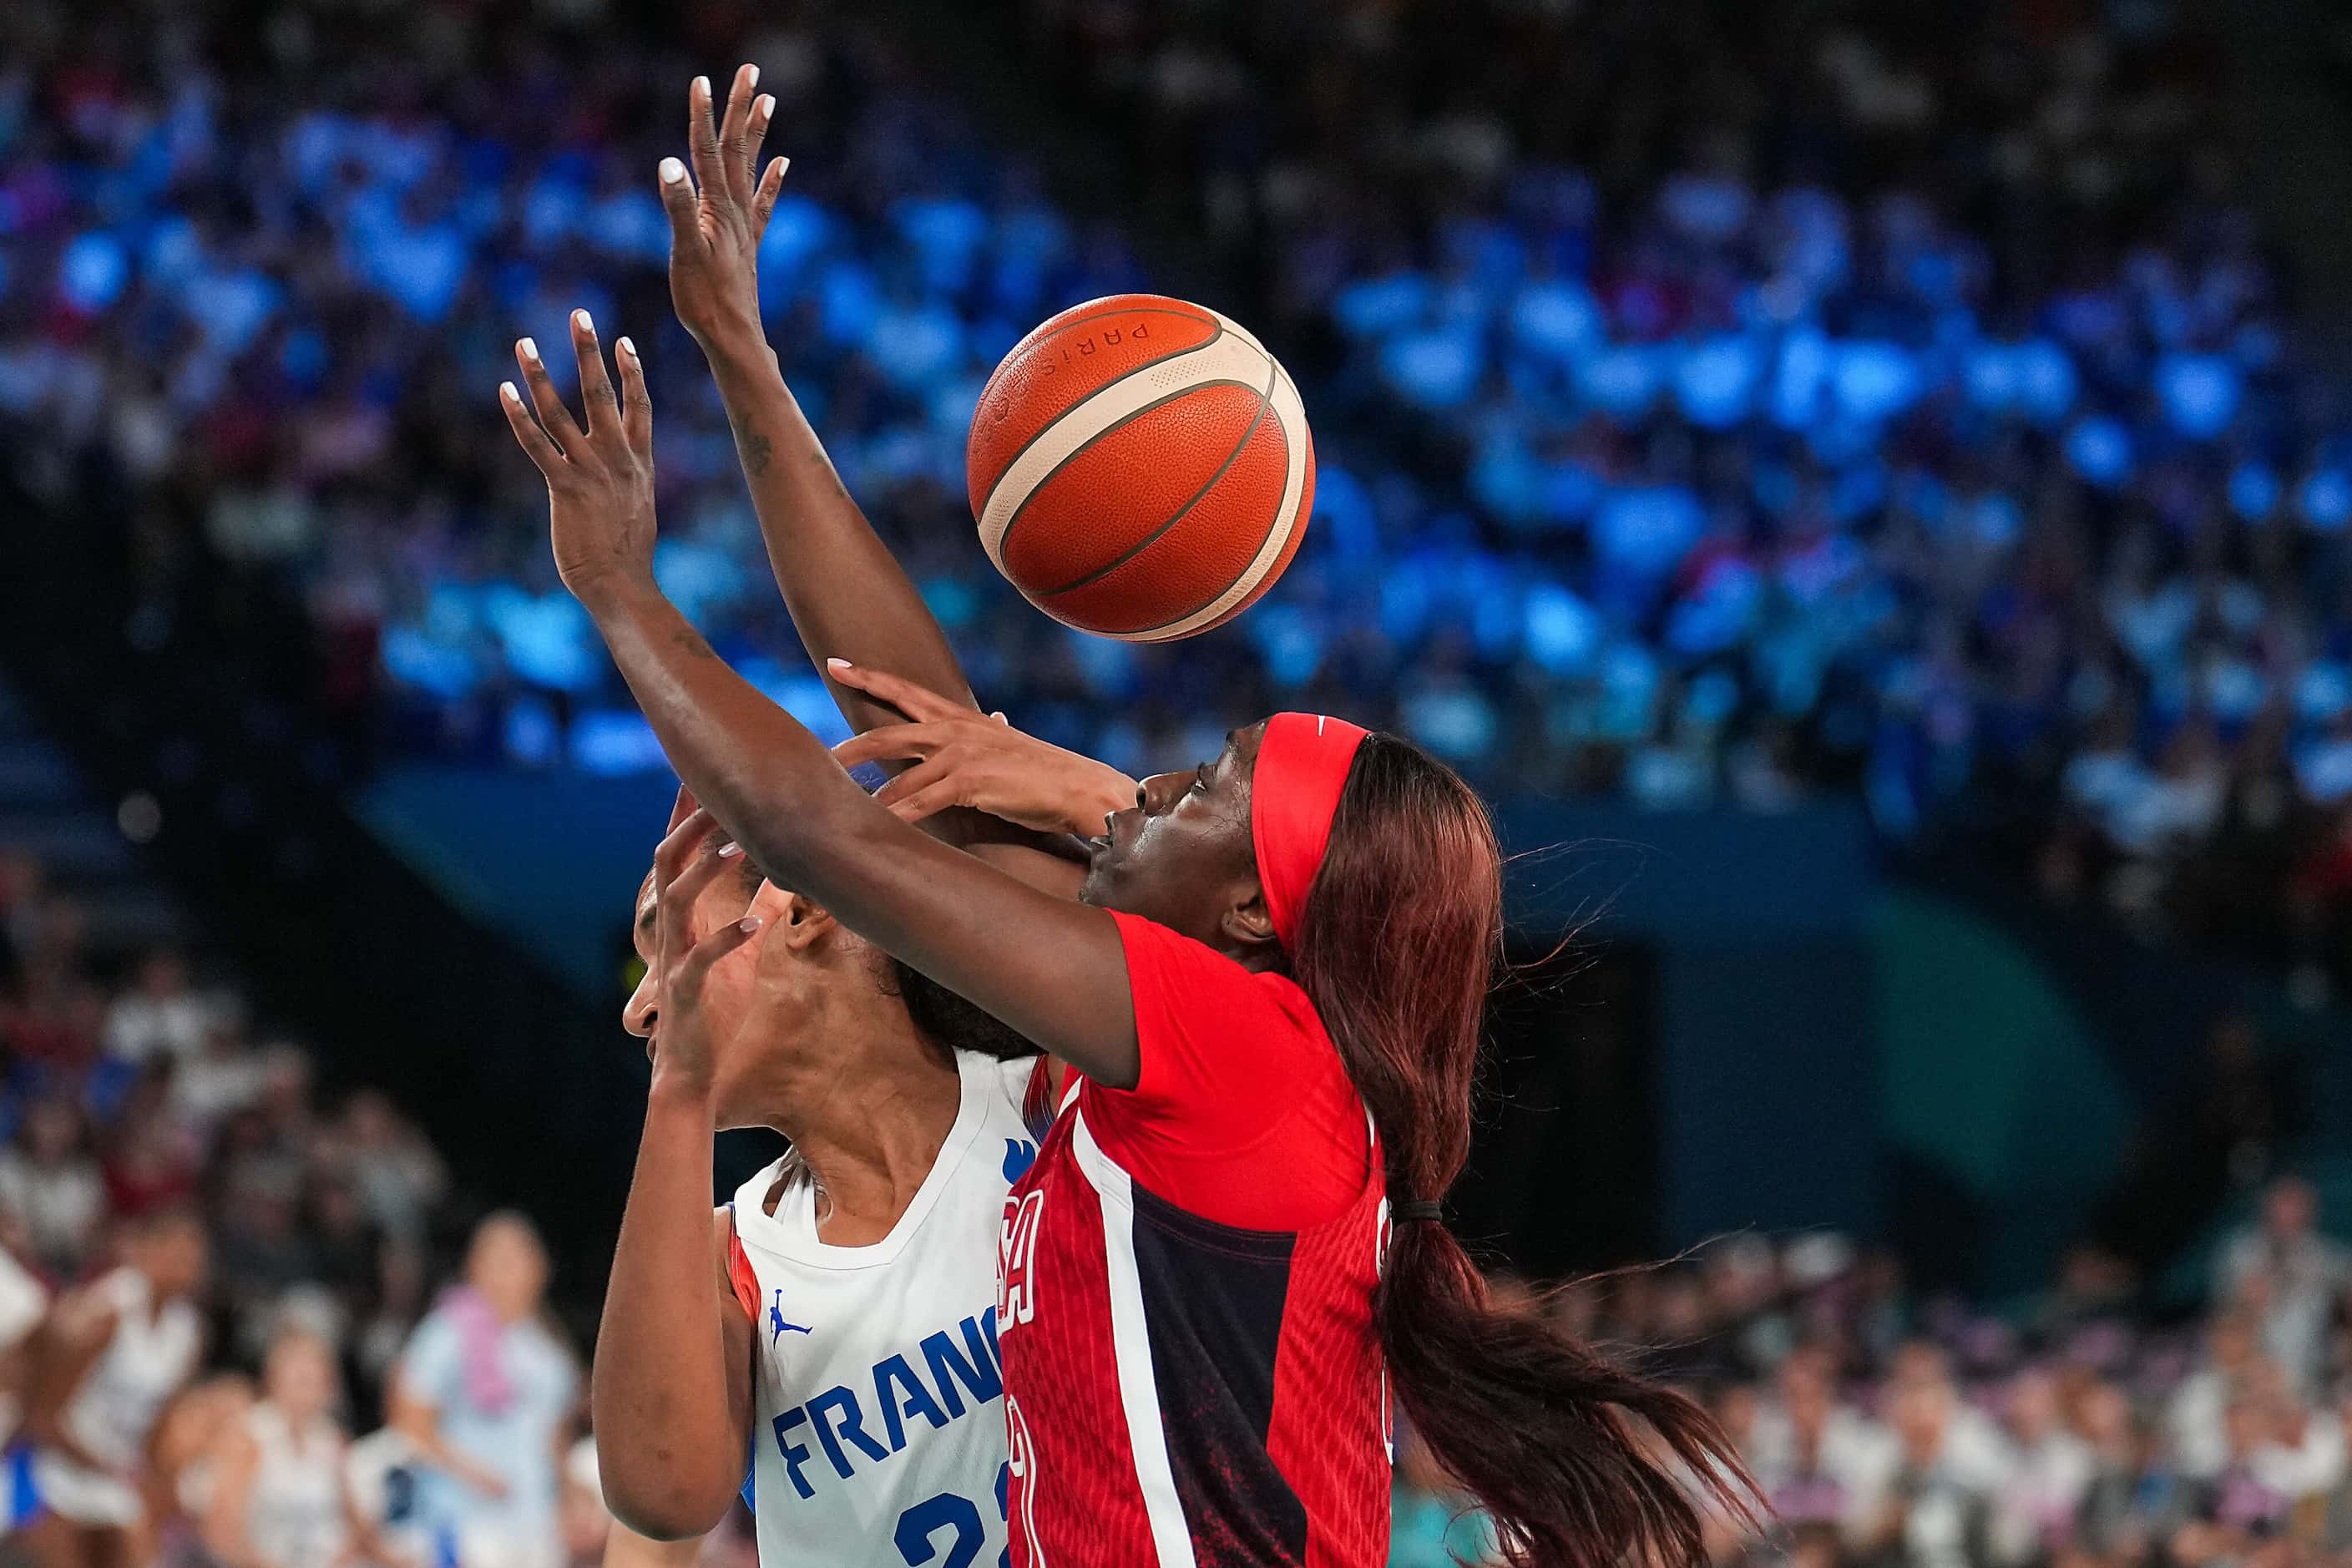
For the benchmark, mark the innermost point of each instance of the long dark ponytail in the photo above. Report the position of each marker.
(1397, 945)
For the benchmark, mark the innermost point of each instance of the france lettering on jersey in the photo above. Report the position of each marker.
(880, 1422)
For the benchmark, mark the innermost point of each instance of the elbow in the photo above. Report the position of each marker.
(413, 1421)
(662, 1509)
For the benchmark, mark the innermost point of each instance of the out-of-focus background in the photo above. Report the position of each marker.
(1865, 489)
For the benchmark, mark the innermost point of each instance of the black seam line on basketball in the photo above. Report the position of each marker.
(1217, 330)
(1264, 402)
(1073, 455)
(1270, 523)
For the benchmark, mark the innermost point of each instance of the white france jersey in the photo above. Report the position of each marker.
(879, 1435)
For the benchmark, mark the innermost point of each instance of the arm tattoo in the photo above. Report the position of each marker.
(757, 450)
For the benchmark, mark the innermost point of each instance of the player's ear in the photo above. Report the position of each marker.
(1246, 920)
(798, 921)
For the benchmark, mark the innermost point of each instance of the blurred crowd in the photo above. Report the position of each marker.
(1714, 403)
(1807, 396)
(2076, 1431)
(294, 1268)
(153, 1147)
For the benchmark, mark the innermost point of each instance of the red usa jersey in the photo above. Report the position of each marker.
(1178, 1391)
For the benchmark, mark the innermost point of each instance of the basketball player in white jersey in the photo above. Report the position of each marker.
(845, 1295)
(278, 1496)
(838, 1323)
(112, 1353)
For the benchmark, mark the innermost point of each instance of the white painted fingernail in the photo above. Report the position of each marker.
(628, 348)
(702, 85)
(507, 390)
(672, 171)
(579, 320)
(729, 850)
(530, 351)
(783, 167)
(766, 106)
(750, 76)
(837, 664)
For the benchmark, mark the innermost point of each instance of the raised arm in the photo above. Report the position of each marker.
(673, 1379)
(848, 596)
(1050, 968)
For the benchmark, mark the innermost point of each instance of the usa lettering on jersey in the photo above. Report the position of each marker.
(1016, 1302)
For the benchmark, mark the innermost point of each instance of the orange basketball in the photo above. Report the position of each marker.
(1140, 468)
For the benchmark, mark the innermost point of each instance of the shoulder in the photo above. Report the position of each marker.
(1005, 1084)
(738, 1280)
(23, 1300)
(1018, 1106)
(1167, 969)
(86, 1315)
(237, 1451)
(431, 1344)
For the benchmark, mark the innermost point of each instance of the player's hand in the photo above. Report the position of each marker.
(963, 758)
(717, 217)
(684, 865)
(600, 479)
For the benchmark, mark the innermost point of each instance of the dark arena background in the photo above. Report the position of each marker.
(1863, 490)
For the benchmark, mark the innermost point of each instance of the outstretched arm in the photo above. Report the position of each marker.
(1050, 968)
(848, 596)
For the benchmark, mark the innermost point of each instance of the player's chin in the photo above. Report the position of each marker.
(1102, 864)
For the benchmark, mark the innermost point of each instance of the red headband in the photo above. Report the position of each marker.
(1302, 766)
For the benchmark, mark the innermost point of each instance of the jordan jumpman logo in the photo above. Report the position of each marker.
(776, 1324)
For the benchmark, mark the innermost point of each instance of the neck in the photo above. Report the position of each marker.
(867, 1115)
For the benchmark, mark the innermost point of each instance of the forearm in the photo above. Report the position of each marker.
(1050, 968)
(848, 596)
(223, 1526)
(671, 1461)
(421, 1424)
(61, 1363)
(758, 771)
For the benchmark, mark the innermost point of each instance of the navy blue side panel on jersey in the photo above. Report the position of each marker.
(1213, 1303)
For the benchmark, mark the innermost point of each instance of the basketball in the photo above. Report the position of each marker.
(1140, 468)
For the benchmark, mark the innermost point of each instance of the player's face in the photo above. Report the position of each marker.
(301, 1375)
(727, 992)
(172, 1257)
(508, 1267)
(1178, 853)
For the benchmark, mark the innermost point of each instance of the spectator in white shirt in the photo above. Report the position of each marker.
(1818, 1460)
(2290, 1277)
(1972, 1444)
(2194, 1421)
(161, 1014)
(2051, 1471)
(51, 1185)
(2301, 1453)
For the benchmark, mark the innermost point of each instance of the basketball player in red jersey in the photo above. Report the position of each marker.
(802, 1033)
(1270, 993)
